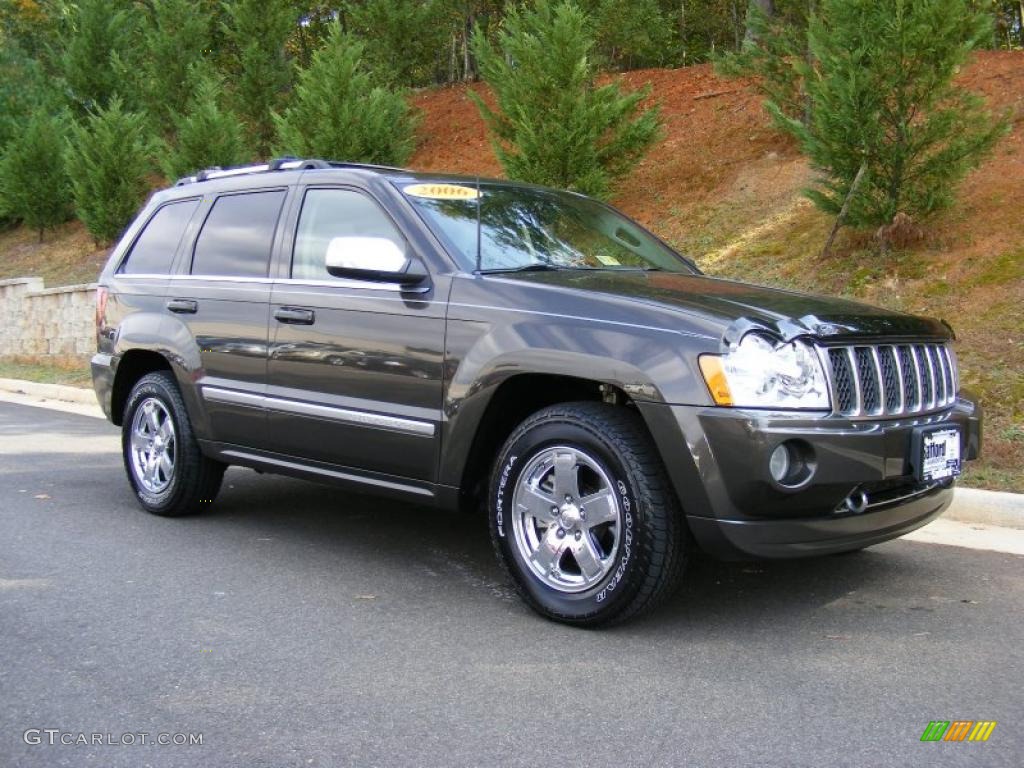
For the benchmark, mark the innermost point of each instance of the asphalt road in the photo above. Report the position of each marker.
(299, 625)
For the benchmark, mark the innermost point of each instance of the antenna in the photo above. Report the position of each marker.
(479, 205)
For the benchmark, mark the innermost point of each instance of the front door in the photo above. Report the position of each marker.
(355, 367)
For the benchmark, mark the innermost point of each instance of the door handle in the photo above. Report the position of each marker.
(294, 315)
(183, 306)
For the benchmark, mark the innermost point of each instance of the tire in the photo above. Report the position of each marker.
(623, 557)
(168, 472)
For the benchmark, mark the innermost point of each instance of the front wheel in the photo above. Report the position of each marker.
(582, 515)
(167, 470)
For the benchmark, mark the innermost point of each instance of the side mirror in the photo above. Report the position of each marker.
(373, 258)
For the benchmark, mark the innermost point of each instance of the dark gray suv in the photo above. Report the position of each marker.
(463, 343)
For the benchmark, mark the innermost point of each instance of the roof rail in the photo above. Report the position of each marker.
(278, 164)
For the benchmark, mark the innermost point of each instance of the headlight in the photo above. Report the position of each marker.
(762, 373)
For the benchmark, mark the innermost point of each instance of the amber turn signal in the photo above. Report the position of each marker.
(714, 377)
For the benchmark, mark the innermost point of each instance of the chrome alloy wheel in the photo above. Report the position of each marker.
(153, 446)
(566, 519)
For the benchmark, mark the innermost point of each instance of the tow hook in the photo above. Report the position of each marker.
(856, 502)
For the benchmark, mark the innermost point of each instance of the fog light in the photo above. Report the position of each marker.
(779, 462)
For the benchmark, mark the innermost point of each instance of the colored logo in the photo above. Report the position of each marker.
(958, 730)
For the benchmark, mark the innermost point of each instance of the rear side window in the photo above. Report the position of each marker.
(331, 214)
(236, 238)
(154, 249)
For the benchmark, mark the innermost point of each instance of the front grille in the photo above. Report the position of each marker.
(891, 379)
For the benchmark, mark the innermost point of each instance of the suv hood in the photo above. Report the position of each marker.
(742, 307)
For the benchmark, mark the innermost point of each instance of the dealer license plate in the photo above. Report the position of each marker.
(940, 454)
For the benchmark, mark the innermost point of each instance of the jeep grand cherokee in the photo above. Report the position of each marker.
(465, 343)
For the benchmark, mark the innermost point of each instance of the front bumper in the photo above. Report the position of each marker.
(717, 459)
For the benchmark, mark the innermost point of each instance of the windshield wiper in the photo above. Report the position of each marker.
(539, 267)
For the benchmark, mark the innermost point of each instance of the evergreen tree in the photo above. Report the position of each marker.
(206, 134)
(257, 30)
(98, 55)
(32, 26)
(773, 53)
(553, 124)
(341, 111)
(403, 37)
(23, 90)
(707, 28)
(882, 100)
(33, 181)
(634, 34)
(108, 158)
(175, 36)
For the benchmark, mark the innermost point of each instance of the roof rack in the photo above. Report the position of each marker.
(278, 164)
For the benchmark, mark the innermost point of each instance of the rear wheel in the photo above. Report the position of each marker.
(167, 470)
(582, 515)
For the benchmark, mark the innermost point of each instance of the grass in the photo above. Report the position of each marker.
(66, 256)
(70, 372)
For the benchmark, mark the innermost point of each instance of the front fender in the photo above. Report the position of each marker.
(648, 364)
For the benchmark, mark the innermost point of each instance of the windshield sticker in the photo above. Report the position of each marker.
(608, 261)
(442, 191)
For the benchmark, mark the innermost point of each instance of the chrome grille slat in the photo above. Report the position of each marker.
(940, 376)
(841, 381)
(953, 379)
(935, 381)
(899, 378)
(867, 373)
(947, 369)
(888, 375)
(910, 384)
(890, 379)
(858, 397)
(918, 381)
(924, 365)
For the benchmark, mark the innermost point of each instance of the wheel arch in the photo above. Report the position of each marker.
(507, 405)
(132, 366)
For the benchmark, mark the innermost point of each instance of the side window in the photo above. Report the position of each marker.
(155, 247)
(330, 214)
(237, 235)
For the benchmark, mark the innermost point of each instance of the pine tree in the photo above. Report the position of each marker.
(33, 180)
(98, 56)
(882, 100)
(773, 53)
(257, 31)
(108, 158)
(175, 36)
(339, 110)
(553, 124)
(403, 37)
(634, 34)
(24, 90)
(206, 134)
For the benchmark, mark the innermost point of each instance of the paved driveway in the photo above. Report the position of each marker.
(301, 625)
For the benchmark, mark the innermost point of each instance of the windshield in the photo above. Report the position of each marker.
(526, 228)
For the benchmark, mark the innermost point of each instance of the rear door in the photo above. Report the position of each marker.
(355, 369)
(220, 297)
(139, 282)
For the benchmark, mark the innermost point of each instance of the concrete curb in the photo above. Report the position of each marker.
(49, 391)
(974, 505)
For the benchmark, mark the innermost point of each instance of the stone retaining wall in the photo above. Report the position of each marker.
(36, 321)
